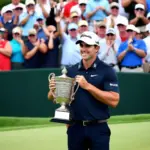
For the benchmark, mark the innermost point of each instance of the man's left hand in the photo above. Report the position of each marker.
(82, 82)
(130, 47)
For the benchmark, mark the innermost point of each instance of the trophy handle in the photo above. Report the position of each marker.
(73, 94)
(52, 75)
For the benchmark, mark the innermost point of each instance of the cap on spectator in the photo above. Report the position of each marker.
(101, 24)
(72, 26)
(131, 27)
(140, 6)
(2, 29)
(29, 2)
(148, 15)
(137, 30)
(18, 6)
(32, 32)
(89, 38)
(111, 31)
(6, 9)
(82, 2)
(74, 14)
(39, 18)
(17, 30)
(114, 4)
(82, 23)
(122, 20)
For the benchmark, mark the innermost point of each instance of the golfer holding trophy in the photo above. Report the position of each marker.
(88, 104)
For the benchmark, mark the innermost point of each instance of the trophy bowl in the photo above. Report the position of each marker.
(63, 95)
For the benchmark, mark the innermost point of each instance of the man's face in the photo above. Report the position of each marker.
(131, 33)
(83, 28)
(32, 37)
(8, 15)
(101, 30)
(30, 7)
(15, 2)
(75, 19)
(73, 33)
(121, 27)
(114, 11)
(110, 37)
(82, 7)
(88, 52)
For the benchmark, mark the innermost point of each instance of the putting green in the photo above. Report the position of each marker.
(129, 136)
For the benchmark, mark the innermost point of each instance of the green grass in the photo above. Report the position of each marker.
(17, 123)
(125, 136)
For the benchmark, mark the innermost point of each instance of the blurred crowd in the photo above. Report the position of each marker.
(43, 33)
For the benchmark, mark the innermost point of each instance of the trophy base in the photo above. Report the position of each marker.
(61, 117)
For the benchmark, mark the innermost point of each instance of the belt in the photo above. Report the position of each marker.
(112, 65)
(132, 67)
(88, 122)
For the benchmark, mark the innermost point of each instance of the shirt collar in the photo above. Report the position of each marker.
(94, 65)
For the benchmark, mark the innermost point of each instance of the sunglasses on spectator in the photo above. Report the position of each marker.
(72, 29)
(139, 9)
(120, 25)
(30, 5)
(83, 26)
(82, 4)
(19, 8)
(16, 34)
(114, 7)
(129, 30)
(9, 12)
(32, 35)
(85, 45)
(110, 34)
(102, 27)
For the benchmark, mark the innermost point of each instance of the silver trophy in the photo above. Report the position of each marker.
(63, 95)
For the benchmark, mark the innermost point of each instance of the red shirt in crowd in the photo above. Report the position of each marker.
(67, 8)
(4, 60)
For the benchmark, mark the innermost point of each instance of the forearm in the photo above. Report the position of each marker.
(50, 43)
(134, 21)
(145, 20)
(16, 20)
(5, 52)
(109, 98)
(44, 12)
(24, 21)
(43, 48)
(140, 53)
(122, 55)
(90, 14)
(126, 3)
(23, 48)
(31, 53)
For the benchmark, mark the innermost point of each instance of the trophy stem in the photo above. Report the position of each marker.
(63, 107)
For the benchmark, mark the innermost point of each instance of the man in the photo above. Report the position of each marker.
(98, 90)
(131, 52)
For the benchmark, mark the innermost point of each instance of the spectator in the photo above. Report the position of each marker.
(131, 52)
(100, 29)
(18, 49)
(5, 52)
(83, 26)
(129, 6)
(70, 51)
(140, 20)
(122, 24)
(7, 20)
(35, 50)
(108, 50)
(51, 59)
(74, 17)
(27, 19)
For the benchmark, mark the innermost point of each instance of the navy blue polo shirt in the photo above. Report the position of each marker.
(85, 106)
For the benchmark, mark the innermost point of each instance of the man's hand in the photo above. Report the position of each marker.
(52, 84)
(130, 47)
(82, 82)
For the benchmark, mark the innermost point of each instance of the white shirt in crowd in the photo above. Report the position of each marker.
(147, 41)
(107, 54)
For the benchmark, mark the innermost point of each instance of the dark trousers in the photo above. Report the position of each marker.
(91, 137)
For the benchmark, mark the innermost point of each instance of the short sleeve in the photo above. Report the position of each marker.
(111, 81)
